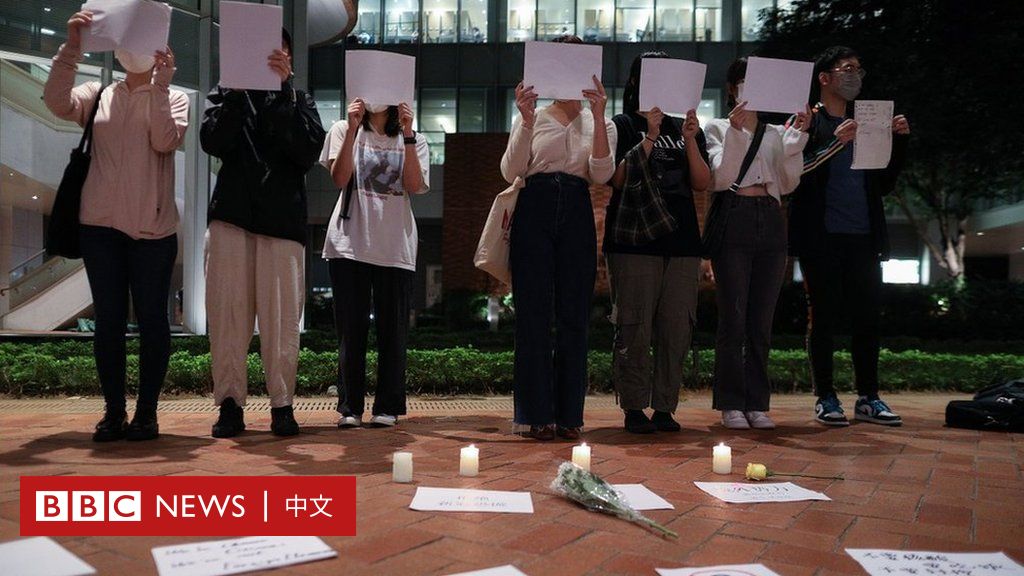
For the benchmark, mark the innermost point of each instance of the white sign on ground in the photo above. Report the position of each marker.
(236, 556)
(739, 493)
(724, 570)
(40, 556)
(507, 570)
(641, 497)
(896, 562)
(460, 500)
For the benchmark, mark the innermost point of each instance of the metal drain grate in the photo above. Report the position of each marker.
(322, 404)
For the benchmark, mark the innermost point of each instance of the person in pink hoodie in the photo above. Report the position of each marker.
(128, 216)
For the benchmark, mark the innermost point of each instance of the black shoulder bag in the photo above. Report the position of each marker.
(718, 212)
(62, 234)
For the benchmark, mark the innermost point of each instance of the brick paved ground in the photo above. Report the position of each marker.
(917, 487)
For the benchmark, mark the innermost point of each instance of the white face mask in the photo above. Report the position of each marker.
(376, 108)
(134, 63)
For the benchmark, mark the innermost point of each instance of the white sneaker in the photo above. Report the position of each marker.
(349, 421)
(383, 421)
(734, 420)
(759, 420)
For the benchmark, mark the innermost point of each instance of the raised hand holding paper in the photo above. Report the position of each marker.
(773, 85)
(561, 71)
(380, 78)
(239, 555)
(249, 34)
(138, 26)
(674, 86)
(872, 148)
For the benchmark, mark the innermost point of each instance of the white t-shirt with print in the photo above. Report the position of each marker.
(381, 229)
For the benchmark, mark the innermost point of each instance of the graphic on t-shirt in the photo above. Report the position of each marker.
(380, 170)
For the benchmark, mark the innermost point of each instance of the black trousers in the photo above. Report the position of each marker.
(748, 275)
(553, 255)
(360, 288)
(845, 278)
(118, 265)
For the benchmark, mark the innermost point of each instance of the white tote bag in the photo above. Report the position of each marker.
(493, 249)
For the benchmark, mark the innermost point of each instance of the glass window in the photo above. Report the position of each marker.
(520, 20)
(331, 106)
(512, 111)
(675, 20)
(368, 23)
(554, 19)
(615, 103)
(634, 20)
(472, 110)
(595, 19)
(708, 23)
(437, 117)
(401, 21)
(439, 21)
(751, 18)
(473, 21)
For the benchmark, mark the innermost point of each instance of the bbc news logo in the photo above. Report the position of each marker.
(88, 506)
(188, 505)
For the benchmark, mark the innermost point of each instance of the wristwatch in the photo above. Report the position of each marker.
(410, 139)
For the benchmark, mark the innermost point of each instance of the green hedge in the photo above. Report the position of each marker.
(471, 371)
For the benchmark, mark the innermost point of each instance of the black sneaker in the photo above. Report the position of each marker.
(876, 412)
(143, 426)
(664, 422)
(282, 421)
(829, 412)
(111, 427)
(230, 422)
(638, 423)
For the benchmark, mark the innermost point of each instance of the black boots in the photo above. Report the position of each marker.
(112, 426)
(638, 423)
(282, 421)
(143, 426)
(230, 422)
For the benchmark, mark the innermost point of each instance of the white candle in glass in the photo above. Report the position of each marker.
(581, 456)
(401, 467)
(469, 461)
(721, 459)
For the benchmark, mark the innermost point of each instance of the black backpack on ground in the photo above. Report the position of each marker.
(999, 407)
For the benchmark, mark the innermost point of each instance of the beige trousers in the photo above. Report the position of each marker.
(252, 277)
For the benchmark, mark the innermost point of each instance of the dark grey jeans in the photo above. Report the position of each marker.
(654, 299)
(748, 274)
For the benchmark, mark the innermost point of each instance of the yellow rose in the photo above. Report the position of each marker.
(757, 471)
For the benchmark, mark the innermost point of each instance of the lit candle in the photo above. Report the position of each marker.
(721, 461)
(469, 461)
(581, 456)
(401, 467)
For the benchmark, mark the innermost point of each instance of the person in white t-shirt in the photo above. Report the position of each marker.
(377, 161)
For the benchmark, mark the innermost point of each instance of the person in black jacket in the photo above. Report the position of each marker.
(837, 230)
(255, 246)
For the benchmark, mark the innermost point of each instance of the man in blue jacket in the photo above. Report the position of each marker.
(255, 251)
(837, 230)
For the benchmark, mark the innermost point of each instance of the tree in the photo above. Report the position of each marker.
(954, 68)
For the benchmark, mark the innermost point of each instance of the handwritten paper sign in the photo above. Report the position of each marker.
(673, 85)
(873, 146)
(724, 570)
(138, 26)
(561, 71)
(239, 555)
(249, 34)
(739, 493)
(507, 570)
(459, 500)
(774, 85)
(641, 497)
(895, 562)
(381, 78)
(41, 557)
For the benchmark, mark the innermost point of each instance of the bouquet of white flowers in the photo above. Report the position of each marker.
(595, 494)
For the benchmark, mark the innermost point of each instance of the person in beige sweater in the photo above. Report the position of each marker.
(128, 216)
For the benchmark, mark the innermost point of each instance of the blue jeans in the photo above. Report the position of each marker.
(553, 256)
(117, 265)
